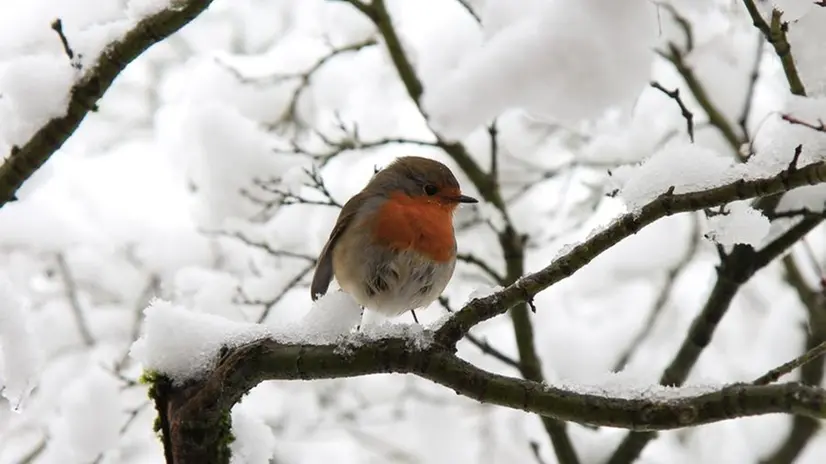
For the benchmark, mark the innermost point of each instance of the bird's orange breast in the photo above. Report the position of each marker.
(420, 223)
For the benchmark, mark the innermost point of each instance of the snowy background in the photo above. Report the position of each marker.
(210, 178)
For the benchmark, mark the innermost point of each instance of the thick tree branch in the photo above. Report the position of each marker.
(203, 405)
(25, 160)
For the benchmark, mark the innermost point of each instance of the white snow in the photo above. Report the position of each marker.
(792, 9)
(254, 441)
(742, 224)
(776, 141)
(183, 344)
(483, 291)
(20, 356)
(330, 317)
(807, 38)
(204, 135)
(810, 197)
(629, 384)
(416, 336)
(91, 415)
(561, 63)
(681, 165)
(139, 9)
(35, 89)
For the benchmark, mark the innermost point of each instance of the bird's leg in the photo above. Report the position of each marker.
(413, 312)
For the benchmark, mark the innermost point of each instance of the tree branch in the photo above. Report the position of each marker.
(482, 309)
(70, 288)
(775, 34)
(24, 161)
(774, 375)
(715, 116)
(203, 405)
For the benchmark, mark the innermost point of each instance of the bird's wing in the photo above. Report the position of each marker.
(324, 268)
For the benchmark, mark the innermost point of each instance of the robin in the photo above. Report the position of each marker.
(393, 246)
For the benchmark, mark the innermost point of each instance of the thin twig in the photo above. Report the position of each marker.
(775, 34)
(466, 5)
(819, 127)
(483, 266)
(264, 246)
(715, 116)
(775, 374)
(687, 115)
(292, 283)
(70, 287)
(57, 26)
(304, 78)
(743, 120)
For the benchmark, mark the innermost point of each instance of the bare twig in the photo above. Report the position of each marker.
(335, 148)
(264, 246)
(466, 5)
(743, 120)
(775, 374)
(687, 115)
(292, 283)
(486, 268)
(304, 78)
(775, 33)
(819, 127)
(57, 26)
(70, 287)
(715, 116)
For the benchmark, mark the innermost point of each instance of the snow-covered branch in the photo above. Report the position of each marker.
(203, 405)
(666, 204)
(25, 159)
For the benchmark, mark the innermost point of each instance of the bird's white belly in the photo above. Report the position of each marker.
(406, 281)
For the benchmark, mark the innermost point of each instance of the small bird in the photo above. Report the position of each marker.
(393, 246)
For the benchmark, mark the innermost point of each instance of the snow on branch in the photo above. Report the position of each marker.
(25, 159)
(575, 258)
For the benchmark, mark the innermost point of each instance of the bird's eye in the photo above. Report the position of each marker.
(431, 189)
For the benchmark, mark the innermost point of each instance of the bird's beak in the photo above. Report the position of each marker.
(465, 199)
